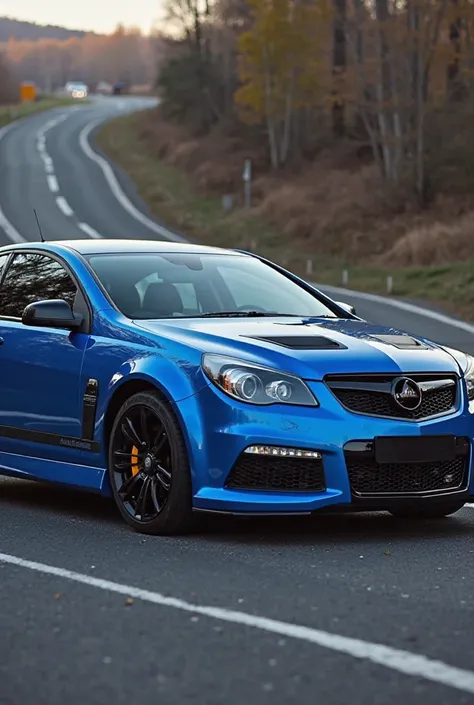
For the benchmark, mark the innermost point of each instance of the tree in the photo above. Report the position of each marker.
(279, 62)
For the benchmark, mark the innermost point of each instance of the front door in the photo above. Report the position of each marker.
(40, 407)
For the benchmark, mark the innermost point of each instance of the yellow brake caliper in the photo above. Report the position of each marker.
(134, 463)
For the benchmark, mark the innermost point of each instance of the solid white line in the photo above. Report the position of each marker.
(88, 230)
(64, 206)
(398, 660)
(53, 183)
(117, 190)
(402, 305)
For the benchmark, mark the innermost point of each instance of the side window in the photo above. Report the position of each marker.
(3, 261)
(34, 277)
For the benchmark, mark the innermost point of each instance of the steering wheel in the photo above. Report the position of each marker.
(251, 307)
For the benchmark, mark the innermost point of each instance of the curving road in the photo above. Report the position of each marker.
(359, 609)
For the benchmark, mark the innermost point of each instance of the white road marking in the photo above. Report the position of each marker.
(11, 232)
(89, 231)
(64, 206)
(52, 183)
(470, 505)
(404, 662)
(117, 190)
(402, 305)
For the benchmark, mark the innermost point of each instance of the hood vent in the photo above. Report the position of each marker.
(403, 342)
(301, 342)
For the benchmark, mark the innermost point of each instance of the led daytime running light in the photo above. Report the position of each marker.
(283, 452)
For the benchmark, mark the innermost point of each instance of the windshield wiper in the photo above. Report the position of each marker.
(257, 314)
(240, 314)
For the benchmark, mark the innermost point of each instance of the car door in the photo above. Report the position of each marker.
(40, 408)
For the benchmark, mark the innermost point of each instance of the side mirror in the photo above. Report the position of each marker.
(55, 313)
(348, 307)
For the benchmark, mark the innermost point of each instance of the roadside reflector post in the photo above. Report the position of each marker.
(309, 266)
(389, 284)
(253, 245)
(345, 277)
(247, 179)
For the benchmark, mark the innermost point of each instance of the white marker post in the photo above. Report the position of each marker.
(389, 284)
(309, 266)
(247, 179)
(345, 277)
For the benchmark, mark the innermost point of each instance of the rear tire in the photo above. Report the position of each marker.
(149, 467)
(433, 511)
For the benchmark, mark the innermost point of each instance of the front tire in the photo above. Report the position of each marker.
(429, 511)
(149, 467)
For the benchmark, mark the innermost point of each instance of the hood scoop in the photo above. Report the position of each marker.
(402, 342)
(300, 342)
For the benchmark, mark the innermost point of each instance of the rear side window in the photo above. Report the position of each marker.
(3, 261)
(34, 277)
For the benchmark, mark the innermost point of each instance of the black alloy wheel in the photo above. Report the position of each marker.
(149, 467)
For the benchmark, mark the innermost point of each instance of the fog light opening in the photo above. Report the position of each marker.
(283, 452)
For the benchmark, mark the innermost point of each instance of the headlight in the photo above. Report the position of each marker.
(469, 377)
(466, 363)
(255, 384)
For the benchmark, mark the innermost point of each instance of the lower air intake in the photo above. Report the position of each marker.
(368, 478)
(277, 474)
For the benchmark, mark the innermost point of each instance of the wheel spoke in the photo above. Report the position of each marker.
(144, 426)
(154, 495)
(140, 507)
(127, 488)
(163, 477)
(128, 430)
(159, 445)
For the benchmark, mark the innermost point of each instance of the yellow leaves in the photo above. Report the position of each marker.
(280, 55)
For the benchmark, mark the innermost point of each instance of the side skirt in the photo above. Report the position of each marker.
(30, 468)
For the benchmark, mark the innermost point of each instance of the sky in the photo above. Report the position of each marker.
(95, 15)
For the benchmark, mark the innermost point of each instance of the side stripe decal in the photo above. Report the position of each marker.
(52, 439)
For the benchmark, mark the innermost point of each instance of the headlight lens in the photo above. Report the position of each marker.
(466, 363)
(255, 384)
(469, 377)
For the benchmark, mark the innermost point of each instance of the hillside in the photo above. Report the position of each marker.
(32, 31)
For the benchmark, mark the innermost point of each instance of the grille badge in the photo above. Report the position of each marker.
(406, 393)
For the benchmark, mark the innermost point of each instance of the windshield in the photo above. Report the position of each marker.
(152, 285)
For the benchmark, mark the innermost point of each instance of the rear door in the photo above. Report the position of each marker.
(40, 407)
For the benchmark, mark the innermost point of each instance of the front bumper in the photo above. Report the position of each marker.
(219, 429)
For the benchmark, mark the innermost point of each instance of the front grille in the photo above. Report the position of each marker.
(369, 478)
(372, 395)
(262, 472)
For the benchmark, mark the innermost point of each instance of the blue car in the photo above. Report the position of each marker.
(179, 378)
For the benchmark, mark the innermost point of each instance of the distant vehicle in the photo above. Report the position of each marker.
(77, 90)
(104, 87)
(176, 377)
(120, 87)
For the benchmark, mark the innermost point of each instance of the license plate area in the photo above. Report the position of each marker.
(414, 449)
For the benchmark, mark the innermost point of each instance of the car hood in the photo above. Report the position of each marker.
(310, 348)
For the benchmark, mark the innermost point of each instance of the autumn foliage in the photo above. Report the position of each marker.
(125, 55)
(392, 79)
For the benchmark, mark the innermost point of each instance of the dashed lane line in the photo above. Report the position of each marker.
(64, 206)
(89, 231)
(52, 183)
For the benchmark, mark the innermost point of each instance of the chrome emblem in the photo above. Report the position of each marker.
(406, 393)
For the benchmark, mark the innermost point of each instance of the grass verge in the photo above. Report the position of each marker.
(179, 204)
(9, 113)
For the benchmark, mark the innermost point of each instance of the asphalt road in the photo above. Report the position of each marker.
(358, 609)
